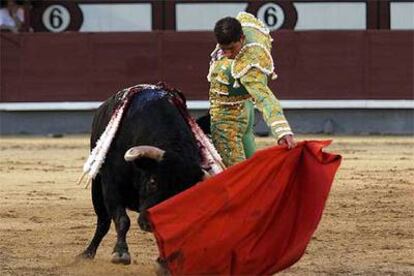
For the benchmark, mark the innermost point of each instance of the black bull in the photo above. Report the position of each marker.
(152, 174)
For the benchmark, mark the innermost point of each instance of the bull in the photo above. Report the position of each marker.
(153, 156)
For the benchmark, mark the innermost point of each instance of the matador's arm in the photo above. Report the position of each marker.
(255, 81)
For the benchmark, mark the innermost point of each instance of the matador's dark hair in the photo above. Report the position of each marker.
(228, 30)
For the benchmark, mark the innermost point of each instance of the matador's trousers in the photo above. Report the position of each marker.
(232, 131)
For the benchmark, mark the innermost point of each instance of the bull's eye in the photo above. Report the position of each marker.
(152, 185)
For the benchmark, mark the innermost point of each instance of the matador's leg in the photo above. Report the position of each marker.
(227, 130)
(249, 143)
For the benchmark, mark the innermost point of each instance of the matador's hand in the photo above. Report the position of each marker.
(287, 140)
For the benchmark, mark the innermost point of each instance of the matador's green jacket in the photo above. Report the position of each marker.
(235, 85)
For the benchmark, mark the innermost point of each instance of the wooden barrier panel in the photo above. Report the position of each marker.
(47, 67)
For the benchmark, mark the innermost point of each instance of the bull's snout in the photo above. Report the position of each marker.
(143, 222)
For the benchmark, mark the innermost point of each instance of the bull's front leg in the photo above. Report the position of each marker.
(143, 221)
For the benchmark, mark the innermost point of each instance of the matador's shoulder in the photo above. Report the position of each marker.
(249, 20)
(253, 55)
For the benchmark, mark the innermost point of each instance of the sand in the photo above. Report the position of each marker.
(46, 219)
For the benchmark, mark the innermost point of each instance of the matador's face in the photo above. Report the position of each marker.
(232, 49)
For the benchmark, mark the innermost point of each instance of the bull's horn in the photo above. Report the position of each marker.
(144, 151)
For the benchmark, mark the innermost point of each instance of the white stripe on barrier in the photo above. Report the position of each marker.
(200, 105)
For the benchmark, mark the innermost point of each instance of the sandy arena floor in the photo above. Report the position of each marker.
(46, 219)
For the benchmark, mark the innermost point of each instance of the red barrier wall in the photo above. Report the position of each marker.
(68, 66)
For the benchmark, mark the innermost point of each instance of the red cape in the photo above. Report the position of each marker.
(255, 218)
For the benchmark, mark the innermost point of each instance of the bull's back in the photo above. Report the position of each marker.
(150, 119)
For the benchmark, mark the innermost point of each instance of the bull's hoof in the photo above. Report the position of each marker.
(121, 258)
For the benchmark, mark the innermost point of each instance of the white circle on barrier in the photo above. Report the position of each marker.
(56, 18)
(272, 15)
